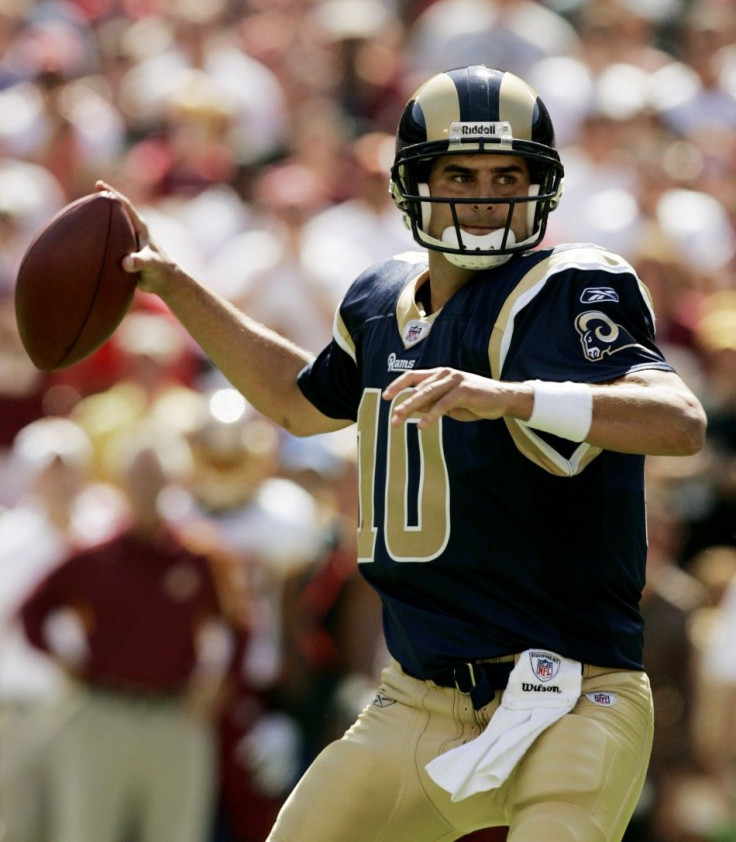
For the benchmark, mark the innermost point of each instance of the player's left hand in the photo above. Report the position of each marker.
(457, 394)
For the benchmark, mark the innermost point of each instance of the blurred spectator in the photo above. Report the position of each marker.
(715, 338)
(29, 194)
(56, 508)
(294, 226)
(57, 113)
(699, 226)
(715, 568)
(282, 36)
(269, 522)
(149, 374)
(693, 98)
(144, 623)
(622, 32)
(272, 526)
(332, 632)
(567, 86)
(274, 285)
(669, 602)
(714, 636)
(363, 40)
(188, 64)
(22, 390)
(207, 221)
(510, 34)
(193, 150)
(599, 201)
(676, 296)
(361, 229)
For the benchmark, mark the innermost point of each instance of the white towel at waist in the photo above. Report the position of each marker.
(542, 688)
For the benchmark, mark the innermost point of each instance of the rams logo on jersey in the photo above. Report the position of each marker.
(600, 335)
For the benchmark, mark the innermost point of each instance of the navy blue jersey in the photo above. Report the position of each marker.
(487, 538)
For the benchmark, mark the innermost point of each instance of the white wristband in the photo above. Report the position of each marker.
(563, 409)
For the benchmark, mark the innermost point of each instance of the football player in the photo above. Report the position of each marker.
(505, 396)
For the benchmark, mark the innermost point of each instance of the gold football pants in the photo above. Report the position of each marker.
(579, 782)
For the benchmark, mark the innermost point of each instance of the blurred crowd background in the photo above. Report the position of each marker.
(256, 138)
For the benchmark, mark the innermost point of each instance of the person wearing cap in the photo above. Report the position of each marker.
(146, 624)
(54, 504)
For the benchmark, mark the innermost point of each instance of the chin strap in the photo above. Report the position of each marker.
(486, 242)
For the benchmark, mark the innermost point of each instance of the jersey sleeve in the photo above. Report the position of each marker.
(590, 324)
(335, 380)
(332, 381)
(585, 316)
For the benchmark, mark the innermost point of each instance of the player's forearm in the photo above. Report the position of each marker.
(656, 420)
(261, 364)
(650, 413)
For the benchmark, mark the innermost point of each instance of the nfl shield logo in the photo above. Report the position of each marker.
(603, 699)
(415, 331)
(545, 665)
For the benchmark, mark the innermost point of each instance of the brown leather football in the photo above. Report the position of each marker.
(71, 291)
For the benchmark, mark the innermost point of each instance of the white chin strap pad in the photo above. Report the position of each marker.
(485, 242)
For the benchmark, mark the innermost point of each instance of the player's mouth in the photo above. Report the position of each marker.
(479, 230)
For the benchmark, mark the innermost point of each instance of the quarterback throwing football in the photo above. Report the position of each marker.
(505, 396)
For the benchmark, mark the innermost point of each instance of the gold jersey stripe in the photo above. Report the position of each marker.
(407, 309)
(342, 336)
(528, 442)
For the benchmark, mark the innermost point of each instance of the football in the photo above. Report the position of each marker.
(71, 290)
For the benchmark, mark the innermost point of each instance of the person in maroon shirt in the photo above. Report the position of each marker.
(147, 626)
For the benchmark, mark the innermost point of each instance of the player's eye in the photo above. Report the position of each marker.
(508, 184)
(461, 178)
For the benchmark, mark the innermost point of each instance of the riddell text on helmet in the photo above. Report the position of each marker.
(476, 129)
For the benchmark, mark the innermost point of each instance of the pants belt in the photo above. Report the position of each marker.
(478, 680)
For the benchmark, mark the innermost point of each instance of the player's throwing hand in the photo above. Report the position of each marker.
(460, 395)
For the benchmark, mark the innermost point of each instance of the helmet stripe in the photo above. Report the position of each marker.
(440, 106)
(481, 96)
(517, 105)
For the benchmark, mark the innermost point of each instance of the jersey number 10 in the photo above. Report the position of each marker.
(416, 523)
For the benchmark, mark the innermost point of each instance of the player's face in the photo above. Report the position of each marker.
(483, 176)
